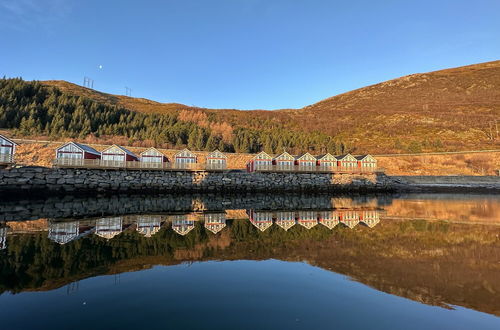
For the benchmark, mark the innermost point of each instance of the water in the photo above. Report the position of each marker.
(251, 262)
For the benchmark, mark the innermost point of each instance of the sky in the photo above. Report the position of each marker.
(244, 54)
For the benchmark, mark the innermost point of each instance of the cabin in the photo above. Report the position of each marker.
(182, 224)
(305, 161)
(260, 219)
(285, 161)
(307, 219)
(216, 160)
(369, 218)
(326, 161)
(3, 237)
(349, 218)
(153, 156)
(285, 220)
(148, 225)
(347, 161)
(7, 150)
(185, 157)
(117, 153)
(261, 161)
(108, 227)
(329, 219)
(366, 162)
(63, 232)
(215, 222)
(73, 150)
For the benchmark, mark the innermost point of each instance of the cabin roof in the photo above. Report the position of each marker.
(284, 154)
(6, 138)
(299, 156)
(216, 152)
(128, 152)
(341, 157)
(83, 147)
(319, 157)
(184, 150)
(152, 148)
(361, 157)
(262, 154)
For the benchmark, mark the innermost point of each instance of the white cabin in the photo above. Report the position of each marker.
(74, 150)
(153, 155)
(285, 161)
(117, 153)
(182, 225)
(261, 161)
(306, 161)
(307, 219)
(7, 150)
(216, 159)
(329, 219)
(261, 219)
(327, 161)
(148, 225)
(347, 161)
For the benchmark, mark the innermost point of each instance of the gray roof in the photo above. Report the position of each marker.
(361, 157)
(6, 138)
(340, 157)
(86, 148)
(128, 152)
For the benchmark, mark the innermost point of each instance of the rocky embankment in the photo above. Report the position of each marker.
(32, 180)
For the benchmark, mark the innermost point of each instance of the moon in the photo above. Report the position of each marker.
(100, 67)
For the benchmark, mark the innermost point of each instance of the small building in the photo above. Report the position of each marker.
(285, 219)
(153, 155)
(366, 162)
(216, 160)
(369, 218)
(260, 219)
(184, 157)
(285, 161)
(349, 218)
(108, 227)
(307, 219)
(215, 222)
(117, 153)
(329, 219)
(148, 225)
(261, 161)
(74, 150)
(7, 150)
(182, 224)
(63, 232)
(347, 161)
(305, 161)
(326, 161)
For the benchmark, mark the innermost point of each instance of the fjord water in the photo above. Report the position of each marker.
(247, 262)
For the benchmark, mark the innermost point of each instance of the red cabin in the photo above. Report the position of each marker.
(118, 154)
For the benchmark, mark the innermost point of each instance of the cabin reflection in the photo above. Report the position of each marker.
(307, 219)
(285, 220)
(3, 237)
(148, 225)
(260, 219)
(63, 232)
(215, 222)
(109, 227)
(182, 224)
(329, 219)
(370, 218)
(349, 218)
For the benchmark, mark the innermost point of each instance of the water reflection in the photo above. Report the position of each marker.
(375, 240)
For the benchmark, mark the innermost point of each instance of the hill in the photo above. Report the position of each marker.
(448, 110)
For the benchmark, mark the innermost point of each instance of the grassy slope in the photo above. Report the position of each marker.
(454, 106)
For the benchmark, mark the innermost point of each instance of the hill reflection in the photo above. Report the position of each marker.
(436, 262)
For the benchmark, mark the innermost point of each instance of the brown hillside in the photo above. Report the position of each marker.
(447, 110)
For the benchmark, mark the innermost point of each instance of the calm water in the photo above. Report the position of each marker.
(251, 262)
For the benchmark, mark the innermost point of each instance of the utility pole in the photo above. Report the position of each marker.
(128, 91)
(88, 82)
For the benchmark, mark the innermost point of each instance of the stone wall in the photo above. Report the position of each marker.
(41, 179)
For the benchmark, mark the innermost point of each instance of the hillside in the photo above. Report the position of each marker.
(452, 109)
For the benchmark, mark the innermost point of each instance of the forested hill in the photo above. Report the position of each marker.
(31, 108)
(448, 110)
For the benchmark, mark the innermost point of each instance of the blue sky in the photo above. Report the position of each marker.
(246, 54)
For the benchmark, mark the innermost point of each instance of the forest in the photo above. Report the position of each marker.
(29, 109)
